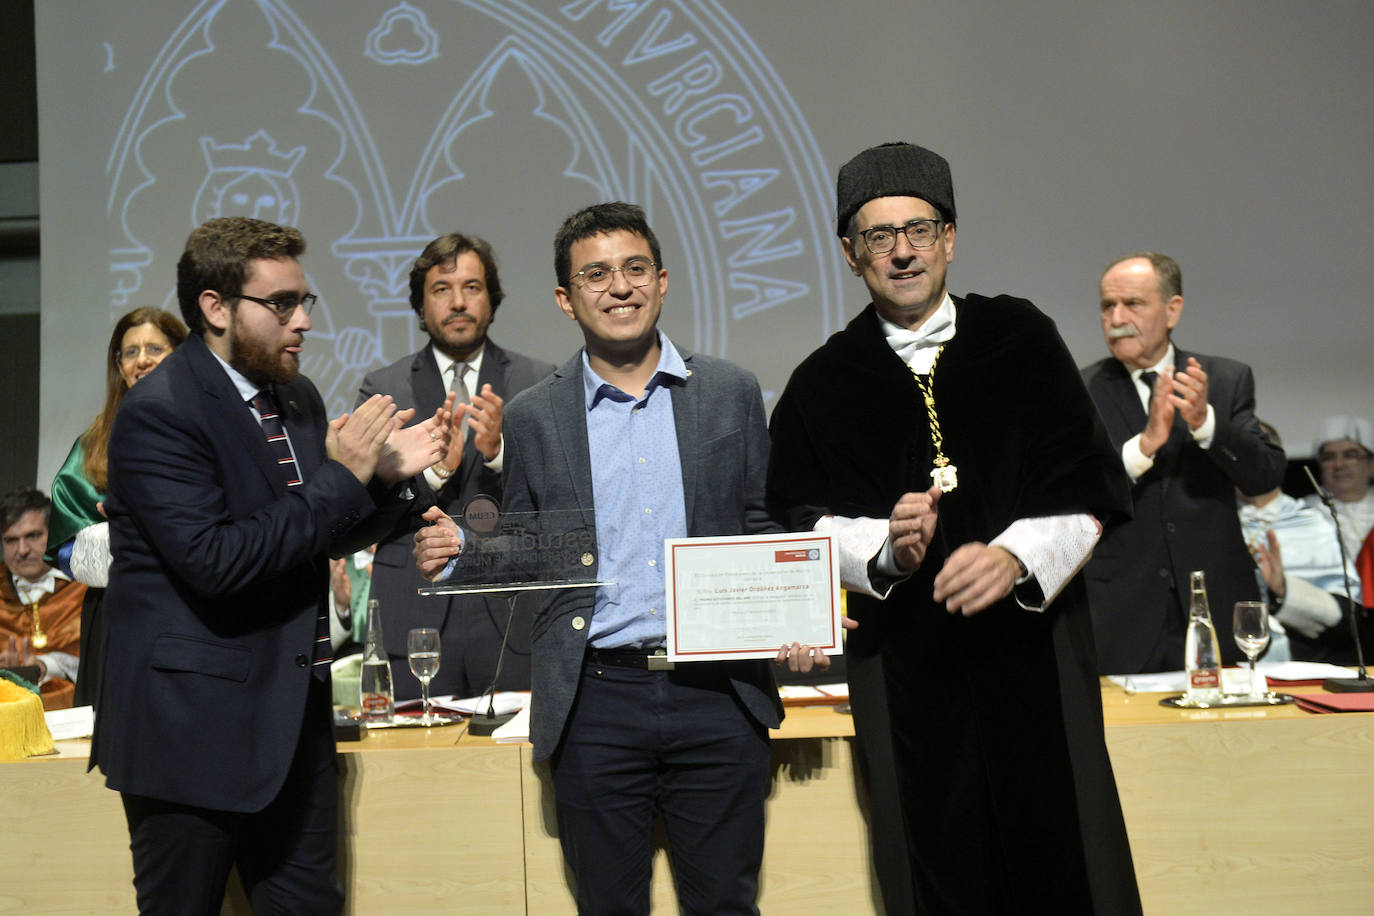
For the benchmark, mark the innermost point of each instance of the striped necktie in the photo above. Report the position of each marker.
(277, 443)
(280, 446)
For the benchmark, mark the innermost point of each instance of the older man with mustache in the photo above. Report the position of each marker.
(1185, 426)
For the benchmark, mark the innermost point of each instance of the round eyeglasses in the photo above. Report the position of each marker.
(920, 233)
(598, 277)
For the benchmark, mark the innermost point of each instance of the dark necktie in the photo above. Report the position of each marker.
(280, 446)
(1148, 379)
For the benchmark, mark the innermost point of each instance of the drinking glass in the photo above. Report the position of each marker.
(1251, 628)
(422, 647)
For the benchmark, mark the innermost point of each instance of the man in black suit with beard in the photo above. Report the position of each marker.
(228, 491)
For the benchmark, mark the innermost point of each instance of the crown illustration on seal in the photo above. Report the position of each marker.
(259, 153)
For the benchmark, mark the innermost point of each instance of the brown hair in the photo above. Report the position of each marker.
(444, 249)
(217, 255)
(96, 439)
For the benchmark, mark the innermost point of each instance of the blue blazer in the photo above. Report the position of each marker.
(722, 440)
(219, 573)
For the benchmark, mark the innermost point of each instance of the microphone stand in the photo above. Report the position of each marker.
(490, 721)
(1363, 683)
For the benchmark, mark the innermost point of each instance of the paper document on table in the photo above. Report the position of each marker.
(506, 701)
(747, 595)
(76, 722)
(1303, 672)
(515, 731)
(813, 695)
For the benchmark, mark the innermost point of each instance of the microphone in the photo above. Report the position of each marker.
(488, 722)
(1363, 683)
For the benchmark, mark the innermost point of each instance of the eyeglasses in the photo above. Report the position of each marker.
(154, 351)
(598, 277)
(920, 233)
(284, 306)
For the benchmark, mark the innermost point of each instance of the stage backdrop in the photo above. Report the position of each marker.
(1233, 135)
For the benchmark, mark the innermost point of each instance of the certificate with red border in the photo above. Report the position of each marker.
(747, 595)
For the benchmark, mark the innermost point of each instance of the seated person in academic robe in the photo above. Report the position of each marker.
(40, 607)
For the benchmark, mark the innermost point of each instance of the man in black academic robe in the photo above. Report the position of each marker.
(973, 678)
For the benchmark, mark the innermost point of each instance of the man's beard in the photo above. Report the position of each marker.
(259, 364)
(456, 351)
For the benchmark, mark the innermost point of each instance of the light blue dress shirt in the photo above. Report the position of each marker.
(637, 488)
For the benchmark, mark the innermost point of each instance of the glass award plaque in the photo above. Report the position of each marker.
(520, 551)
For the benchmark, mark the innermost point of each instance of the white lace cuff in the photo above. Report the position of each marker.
(91, 556)
(859, 540)
(1053, 549)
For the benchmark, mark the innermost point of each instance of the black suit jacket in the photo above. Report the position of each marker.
(414, 381)
(219, 574)
(1185, 514)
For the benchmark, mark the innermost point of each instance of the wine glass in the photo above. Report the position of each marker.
(1251, 629)
(422, 647)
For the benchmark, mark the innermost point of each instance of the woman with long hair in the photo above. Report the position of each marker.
(78, 535)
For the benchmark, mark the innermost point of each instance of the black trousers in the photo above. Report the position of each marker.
(285, 853)
(676, 745)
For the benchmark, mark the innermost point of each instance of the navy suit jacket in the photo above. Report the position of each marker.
(414, 381)
(1185, 514)
(219, 574)
(722, 441)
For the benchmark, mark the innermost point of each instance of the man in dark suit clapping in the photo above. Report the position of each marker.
(228, 491)
(455, 290)
(1185, 426)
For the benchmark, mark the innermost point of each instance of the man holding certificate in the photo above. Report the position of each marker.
(951, 444)
(650, 442)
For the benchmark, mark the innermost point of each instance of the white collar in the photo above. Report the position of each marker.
(445, 361)
(31, 590)
(1158, 368)
(915, 347)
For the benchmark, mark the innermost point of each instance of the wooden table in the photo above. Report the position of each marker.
(1249, 811)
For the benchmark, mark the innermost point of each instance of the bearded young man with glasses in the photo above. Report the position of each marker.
(950, 445)
(228, 491)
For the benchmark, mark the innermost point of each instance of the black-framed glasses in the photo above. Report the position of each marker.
(598, 277)
(920, 233)
(284, 306)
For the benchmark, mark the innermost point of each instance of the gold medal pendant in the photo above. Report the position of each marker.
(40, 639)
(945, 477)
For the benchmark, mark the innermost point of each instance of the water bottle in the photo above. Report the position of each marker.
(374, 686)
(1201, 656)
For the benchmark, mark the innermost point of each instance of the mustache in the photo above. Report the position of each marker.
(1126, 330)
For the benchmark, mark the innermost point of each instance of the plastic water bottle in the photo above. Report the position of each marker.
(374, 686)
(1201, 655)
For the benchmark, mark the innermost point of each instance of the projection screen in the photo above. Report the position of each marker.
(1232, 135)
